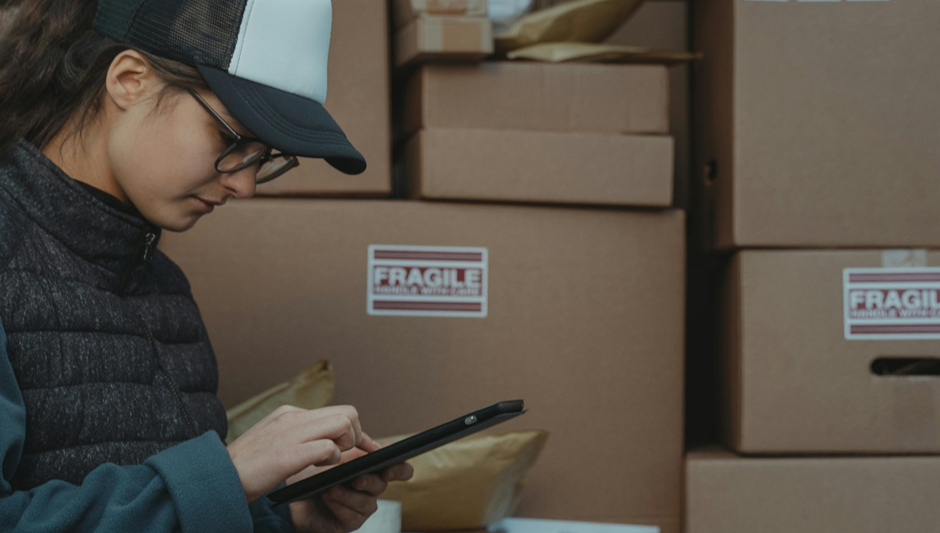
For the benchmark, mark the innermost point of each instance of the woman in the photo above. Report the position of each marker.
(121, 119)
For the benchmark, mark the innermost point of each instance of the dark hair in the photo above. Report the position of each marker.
(53, 67)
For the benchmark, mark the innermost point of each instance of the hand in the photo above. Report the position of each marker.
(289, 440)
(343, 509)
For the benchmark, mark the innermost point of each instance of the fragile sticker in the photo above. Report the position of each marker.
(441, 281)
(892, 303)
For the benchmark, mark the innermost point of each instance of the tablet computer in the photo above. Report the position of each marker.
(400, 452)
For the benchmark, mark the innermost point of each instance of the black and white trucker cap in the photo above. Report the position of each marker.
(266, 60)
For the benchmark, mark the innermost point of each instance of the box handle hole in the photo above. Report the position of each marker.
(906, 366)
(710, 172)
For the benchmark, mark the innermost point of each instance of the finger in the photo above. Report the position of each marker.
(350, 519)
(359, 502)
(352, 414)
(369, 444)
(319, 453)
(313, 416)
(371, 484)
(338, 428)
(402, 472)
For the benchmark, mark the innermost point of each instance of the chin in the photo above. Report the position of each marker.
(182, 225)
(175, 224)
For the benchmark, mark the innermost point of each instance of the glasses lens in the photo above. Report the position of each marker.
(243, 156)
(276, 167)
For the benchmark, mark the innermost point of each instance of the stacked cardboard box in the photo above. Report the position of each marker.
(578, 310)
(816, 132)
(441, 30)
(535, 132)
(726, 493)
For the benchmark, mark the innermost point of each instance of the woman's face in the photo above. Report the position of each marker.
(163, 158)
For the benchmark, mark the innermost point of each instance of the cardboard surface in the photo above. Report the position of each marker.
(540, 167)
(821, 120)
(729, 494)
(585, 323)
(408, 10)
(794, 384)
(359, 87)
(506, 95)
(664, 25)
(440, 38)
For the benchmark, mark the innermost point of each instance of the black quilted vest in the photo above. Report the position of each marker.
(106, 342)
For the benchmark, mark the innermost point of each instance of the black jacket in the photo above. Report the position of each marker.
(105, 340)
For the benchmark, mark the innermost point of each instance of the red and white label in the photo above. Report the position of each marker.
(427, 281)
(892, 303)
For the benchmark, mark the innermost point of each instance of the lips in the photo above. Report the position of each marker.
(205, 205)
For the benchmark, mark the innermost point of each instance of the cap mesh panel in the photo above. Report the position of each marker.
(191, 31)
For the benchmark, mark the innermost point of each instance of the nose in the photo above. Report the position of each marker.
(242, 183)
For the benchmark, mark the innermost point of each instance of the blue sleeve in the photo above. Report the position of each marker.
(270, 519)
(192, 487)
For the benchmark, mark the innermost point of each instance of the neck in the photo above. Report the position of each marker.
(84, 158)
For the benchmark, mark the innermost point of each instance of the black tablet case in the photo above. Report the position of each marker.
(400, 451)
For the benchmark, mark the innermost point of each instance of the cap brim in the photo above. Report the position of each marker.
(292, 124)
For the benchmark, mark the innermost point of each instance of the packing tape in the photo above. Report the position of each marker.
(904, 258)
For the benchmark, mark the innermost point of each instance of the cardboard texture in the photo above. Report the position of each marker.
(430, 38)
(664, 25)
(359, 89)
(585, 321)
(794, 384)
(503, 95)
(540, 167)
(729, 494)
(408, 10)
(821, 122)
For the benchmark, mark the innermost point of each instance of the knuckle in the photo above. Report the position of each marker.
(284, 409)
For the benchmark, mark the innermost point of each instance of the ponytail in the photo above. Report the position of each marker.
(53, 67)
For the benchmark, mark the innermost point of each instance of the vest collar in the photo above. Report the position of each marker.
(92, 229)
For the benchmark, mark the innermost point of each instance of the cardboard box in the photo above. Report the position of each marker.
(584, 320)
(729, 494)
(359, 87)
(503, 95)
(664, 25)
(408, 10)
(540, 167)
(821, 123)
(810, 368)
(429, 38)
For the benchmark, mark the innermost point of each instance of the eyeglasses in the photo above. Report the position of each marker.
(247, 151)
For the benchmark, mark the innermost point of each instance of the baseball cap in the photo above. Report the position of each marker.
(266, 60)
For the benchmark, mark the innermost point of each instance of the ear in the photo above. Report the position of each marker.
(131, 79)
